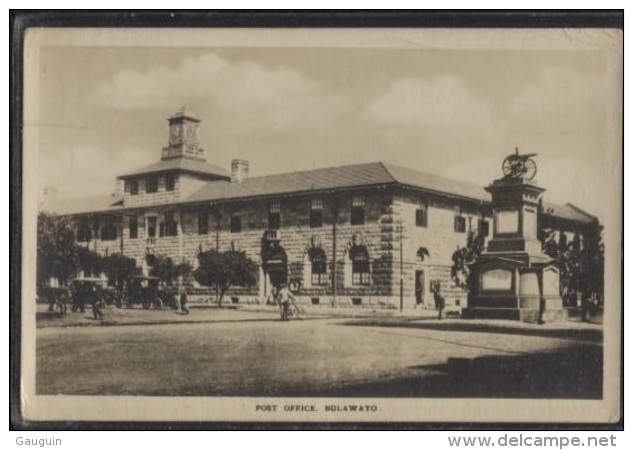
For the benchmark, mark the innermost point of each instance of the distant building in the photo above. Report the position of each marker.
(341, 235)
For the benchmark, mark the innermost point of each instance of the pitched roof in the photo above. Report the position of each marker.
(180, 164)
(93, 204)
(568, 212)
(357, 175)
(331, 178)
(431, 182)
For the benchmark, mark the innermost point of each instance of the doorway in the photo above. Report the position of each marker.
(419, 287)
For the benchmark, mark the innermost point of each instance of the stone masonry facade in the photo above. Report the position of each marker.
(380, 240)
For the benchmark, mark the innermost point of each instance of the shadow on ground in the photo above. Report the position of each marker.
(590, 333)
(570, 374)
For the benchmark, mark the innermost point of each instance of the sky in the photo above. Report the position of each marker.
(455, 112)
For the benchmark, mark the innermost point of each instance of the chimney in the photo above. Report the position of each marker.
(239, 169)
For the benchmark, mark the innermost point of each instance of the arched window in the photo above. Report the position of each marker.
(319, 266)
(360, 265)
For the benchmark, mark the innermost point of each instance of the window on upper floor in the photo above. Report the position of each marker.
(360, 265)
(133, 187)
(236, 223)
(274, 216)
(170, 226)
(170, 182)
(203, 222)
(316, 213)
(151, 185)
(108, 230)
(151, 227)
(84, 232)
(421, 214)
(460, 220)
(358, 210)
(562, 240)
(484, 227)
(133, 227)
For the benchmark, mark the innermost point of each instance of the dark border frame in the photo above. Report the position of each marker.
(21, 20)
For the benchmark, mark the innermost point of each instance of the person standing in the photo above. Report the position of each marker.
(439, 301)
(97, 306)
(183, 303)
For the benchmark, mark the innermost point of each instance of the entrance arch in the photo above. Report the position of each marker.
(275, 265)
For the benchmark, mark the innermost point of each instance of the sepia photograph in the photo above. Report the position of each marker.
(322, 225)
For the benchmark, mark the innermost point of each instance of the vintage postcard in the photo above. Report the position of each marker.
(311, 225)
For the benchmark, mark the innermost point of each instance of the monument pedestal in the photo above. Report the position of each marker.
(513, 279)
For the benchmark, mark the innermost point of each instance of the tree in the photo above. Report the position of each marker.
(56, 248)
(581, 262)
(464, 257)
(91, 263)
(231, 268)
(120, 269)
(164, 268)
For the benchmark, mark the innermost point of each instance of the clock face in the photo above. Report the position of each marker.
(192, 134)
(174, 134)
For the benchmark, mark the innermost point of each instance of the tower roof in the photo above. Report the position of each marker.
(186, 165)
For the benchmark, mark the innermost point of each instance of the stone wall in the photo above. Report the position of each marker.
(386, 215)
(438, 238)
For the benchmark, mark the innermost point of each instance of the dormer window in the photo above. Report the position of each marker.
(170, 182)
(151, 185)
(133, 187)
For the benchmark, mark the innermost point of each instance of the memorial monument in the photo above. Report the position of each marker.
(513, 278)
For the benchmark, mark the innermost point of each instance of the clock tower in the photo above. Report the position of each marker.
(184, 141)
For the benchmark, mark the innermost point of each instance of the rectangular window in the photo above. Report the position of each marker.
(169, 182)
(460, 224)
(484, 227)
(108, 231)
(358, 210)
(203, 222)
(236, 223)
(151, 185)
(274, 216)
(316, 213)
(151, 227)
(421, 216)
(170, 226)
(460, 221)
(84, 232)
(133, 227)
(133, 187)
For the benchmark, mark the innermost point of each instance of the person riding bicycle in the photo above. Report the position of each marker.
(285, 298)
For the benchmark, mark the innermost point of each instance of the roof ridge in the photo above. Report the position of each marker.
(385, 166)
(582, 211)
(295, 172)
